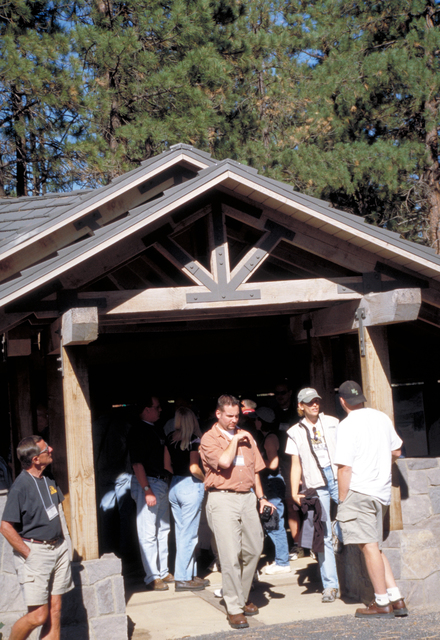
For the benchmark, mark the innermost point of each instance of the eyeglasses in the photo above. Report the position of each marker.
(44, 450)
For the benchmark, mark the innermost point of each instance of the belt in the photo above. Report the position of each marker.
(52, 542)
(227, 490)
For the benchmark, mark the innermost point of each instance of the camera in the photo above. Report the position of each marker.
(266, 513)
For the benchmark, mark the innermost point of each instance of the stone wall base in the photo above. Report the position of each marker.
(93, 610)
(413, 552)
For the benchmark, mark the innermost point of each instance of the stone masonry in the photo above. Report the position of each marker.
(413, 552)
(93, 610)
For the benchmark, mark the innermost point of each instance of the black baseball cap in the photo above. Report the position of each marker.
(351, 392)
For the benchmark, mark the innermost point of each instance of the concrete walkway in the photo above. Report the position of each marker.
(285, 598)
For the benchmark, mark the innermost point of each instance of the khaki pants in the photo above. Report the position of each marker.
(235, 522)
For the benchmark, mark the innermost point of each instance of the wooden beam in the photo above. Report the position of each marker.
(20, 394)
(102, 263)
(10, 320)
(430, 315)
(19, 347)
(33, 251)
(57, 433)
(321, 373)
(400, 305)
(78, 421)
(306, 293)
(376, 385)
(79, 326)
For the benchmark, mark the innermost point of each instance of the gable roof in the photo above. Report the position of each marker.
(24, 220)
(44, 215)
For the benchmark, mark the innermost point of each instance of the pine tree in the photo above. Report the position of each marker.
(367, 138)
(40, 99)
(265, 77)
(155, 76)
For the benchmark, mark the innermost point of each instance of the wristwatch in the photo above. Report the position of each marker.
(147, 487)
(262, 498)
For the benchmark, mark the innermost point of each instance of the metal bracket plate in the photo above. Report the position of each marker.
(359, 315)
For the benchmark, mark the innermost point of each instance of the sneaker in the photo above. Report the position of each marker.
(214, 567)
(218, 593)
(312, 555)
(272, 569)
(330, 595)
(296, 552)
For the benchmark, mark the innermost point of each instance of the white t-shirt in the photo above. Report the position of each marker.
(364, 442)
(319, 445)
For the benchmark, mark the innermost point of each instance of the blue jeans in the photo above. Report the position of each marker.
(115, 499)
(153, 527)
(326, 560)
(186, 497)
(279, 536)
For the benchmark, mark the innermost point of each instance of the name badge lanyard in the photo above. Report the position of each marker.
(51, 511)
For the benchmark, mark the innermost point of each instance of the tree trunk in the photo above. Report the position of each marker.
(20, 142)
(432, 174)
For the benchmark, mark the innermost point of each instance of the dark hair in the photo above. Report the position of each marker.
(284, 382)
(146, 401)
(27, 449)
(227, 401)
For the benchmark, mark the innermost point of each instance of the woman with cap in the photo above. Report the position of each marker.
(274, 487)
(311, 443)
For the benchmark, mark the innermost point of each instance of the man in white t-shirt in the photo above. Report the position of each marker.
(366, 446)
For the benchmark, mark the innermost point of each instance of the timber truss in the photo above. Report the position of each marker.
(221, 282)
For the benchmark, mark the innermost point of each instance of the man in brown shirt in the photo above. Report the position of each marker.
(232, 464)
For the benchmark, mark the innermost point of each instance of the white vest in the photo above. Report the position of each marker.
(312, 477)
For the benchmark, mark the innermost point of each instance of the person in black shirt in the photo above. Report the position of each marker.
(31, 524)
(149, 489)
(286, 416)
(186, 496)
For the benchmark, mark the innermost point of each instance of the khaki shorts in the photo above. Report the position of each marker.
(361, 519)
(45, 571)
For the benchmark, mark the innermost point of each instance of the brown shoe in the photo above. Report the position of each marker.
(251, 609)
(188, 585)
(204, 581)
(374, 611)
(168, 578)
(237, 621)
(157, 585)
(399, 608)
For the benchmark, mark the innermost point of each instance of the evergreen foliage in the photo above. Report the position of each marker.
(40, 98)
(338, 98)
(368, 139)
(157, 74)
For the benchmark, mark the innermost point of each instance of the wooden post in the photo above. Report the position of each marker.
(20, 401)
(376, 385)
(57, 434)
(78, 421)
(321, 373)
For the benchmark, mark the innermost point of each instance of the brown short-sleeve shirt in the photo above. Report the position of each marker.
(240, 476)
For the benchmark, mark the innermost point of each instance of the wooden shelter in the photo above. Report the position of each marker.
(199, 277)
